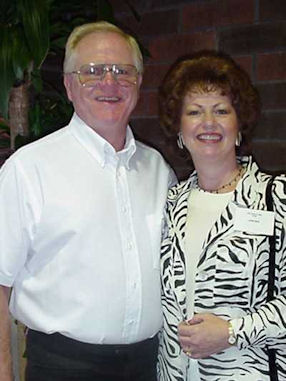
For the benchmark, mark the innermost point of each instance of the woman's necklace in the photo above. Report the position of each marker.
(232, 182)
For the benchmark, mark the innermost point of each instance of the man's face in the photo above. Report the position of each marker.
(107, 105)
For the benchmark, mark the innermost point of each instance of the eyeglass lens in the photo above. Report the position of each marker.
(91, 74)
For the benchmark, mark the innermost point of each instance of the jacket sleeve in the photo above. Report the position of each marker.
(172, 363)
(267, 325)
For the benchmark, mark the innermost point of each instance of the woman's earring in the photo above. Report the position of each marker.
(238, 139)
(180, 140)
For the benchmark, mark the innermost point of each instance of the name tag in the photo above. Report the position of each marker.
(254, 221)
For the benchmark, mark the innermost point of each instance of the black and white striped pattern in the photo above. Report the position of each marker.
(231, 282)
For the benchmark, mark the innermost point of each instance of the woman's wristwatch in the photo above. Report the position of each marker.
(231, 335)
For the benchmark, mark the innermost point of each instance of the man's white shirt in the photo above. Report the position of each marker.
(80, 230)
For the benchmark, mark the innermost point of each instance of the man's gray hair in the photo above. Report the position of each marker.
(98, 27)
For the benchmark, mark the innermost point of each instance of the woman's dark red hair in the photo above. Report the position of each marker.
(208, 71)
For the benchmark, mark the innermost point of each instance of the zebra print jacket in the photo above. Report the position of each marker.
(231, 282)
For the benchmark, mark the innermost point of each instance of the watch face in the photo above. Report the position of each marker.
(231, 340)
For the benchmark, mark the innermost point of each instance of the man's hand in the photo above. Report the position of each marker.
(203, 335)
(5, 353)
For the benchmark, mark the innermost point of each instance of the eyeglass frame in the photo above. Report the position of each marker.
(107, 68)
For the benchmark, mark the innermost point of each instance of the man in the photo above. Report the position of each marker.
(80, 221)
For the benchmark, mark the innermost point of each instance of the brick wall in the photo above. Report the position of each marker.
(252, 31)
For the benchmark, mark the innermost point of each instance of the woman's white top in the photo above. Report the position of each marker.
(204, 209)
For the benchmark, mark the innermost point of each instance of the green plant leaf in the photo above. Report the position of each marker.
(59, 43)
(34, 120)
(22, 59)
(37, 80)
(4, 127)
(15, 60)
(4, 141)
(35, 18)
(7, 73)
(8, 12)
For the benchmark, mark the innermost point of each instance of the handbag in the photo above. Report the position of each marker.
(271, 279)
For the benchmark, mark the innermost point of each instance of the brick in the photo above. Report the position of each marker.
(153, 23)
(272, 126)
(271, 66)
(273, 95)
(217, 13)
(145, 6)
(154, 74)
(272, 10)
(120, 6)
(147, 104)
(148, 130)
(167, 49)
(140, 107)
(164, 3)
(245, 62)
(271, 156)
(253, 38)
(152, 103)
(129, 24)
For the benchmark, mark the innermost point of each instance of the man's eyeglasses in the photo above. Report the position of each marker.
(89, 75)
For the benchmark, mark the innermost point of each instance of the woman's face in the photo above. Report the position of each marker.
(209, 125)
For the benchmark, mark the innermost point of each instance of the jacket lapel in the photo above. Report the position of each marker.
(249, 194)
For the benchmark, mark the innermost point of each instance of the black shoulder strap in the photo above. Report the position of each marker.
(271, 273)
(271, 281)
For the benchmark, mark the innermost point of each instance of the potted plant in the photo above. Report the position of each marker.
(24, 44)
(30, 30)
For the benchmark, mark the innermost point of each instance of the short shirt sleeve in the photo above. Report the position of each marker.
(16, 220)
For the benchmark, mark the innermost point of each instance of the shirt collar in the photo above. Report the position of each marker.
(98, 147)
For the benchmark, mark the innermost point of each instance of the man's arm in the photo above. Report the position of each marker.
(5, 336)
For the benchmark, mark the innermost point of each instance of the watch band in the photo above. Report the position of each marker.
(231, 335)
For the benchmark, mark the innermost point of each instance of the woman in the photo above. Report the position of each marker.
(217, 320)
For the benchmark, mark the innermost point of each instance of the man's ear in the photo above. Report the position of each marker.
(139, 80)
(68, 83)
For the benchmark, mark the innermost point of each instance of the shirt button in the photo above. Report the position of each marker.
(120, 171)
(129, 245)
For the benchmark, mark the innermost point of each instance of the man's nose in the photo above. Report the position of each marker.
(108, 77)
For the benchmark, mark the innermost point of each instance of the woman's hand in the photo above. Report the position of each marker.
(203, 335)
